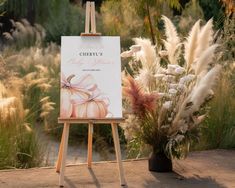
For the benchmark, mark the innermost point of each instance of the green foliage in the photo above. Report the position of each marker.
(1, 5)
(19, 147)
(30, 152)
(137, 149)
(213, 9)
(190, 14)
(228, 43)
(17, 8)
(63, 19)
(120, 18)
(219, 129)
(133, 19)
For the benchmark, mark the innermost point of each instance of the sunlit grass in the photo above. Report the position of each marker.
(29, 86)
(219, 128)
(18, 143)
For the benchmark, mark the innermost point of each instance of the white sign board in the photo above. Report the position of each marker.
(90, 77)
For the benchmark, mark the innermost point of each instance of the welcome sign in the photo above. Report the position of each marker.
(90, 77)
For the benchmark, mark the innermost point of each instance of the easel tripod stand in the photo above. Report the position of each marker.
(61, 162)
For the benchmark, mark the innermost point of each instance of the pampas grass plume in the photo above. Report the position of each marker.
(172, 42)
(147, 54)
(191, 44)
(141, 102)
(202, 90)
(205, 59)
(205, 37)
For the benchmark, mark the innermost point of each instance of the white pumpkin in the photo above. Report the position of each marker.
(65, 103)
(90, 109)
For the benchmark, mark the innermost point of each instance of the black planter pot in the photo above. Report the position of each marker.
(158, 162)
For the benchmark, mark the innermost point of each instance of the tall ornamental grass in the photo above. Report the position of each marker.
(18, 142)
(29, 77)
(219, 128)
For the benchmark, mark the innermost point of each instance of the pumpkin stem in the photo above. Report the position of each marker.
(70, 77)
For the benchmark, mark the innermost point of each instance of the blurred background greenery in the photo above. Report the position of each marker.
(30, 32)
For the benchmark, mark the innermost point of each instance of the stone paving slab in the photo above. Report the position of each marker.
(205, 169)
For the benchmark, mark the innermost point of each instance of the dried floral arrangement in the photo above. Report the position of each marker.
(166, 89)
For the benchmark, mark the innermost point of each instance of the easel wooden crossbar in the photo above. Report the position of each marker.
(61, 162)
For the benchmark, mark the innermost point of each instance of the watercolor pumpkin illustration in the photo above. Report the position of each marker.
(95, 107)
(65, 104)
(81, 98)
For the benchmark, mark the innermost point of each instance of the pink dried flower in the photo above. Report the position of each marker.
(141, 102)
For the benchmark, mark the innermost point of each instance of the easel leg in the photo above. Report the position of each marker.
(89, 152)
(64, 154)
(118, 153)
(58, 163)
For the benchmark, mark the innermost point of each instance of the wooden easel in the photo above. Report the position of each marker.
(61, 162)
(90, 19)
